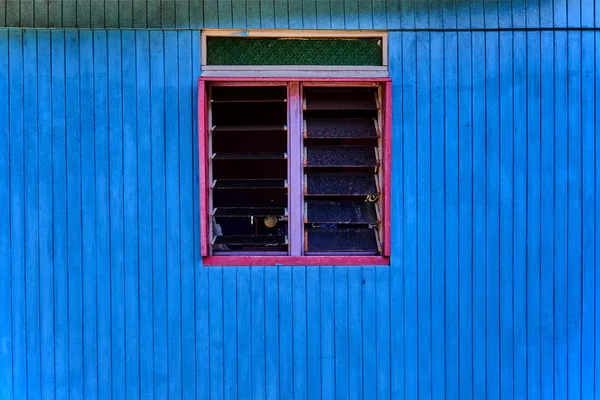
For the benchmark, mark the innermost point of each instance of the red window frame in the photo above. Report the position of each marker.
(295, 123)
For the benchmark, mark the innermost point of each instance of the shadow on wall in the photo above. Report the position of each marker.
(294, 14)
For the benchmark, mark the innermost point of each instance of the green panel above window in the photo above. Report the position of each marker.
(288, 51)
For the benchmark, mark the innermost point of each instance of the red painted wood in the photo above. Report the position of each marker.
(291, 260)
(295, 168)
(203, 167)
(295, 237)
(242, 81)
(387, 167)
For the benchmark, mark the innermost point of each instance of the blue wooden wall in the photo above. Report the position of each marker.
(494, 287)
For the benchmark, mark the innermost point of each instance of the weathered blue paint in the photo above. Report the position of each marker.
(493, 289)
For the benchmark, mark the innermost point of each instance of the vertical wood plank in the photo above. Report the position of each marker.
(202, 332)
(280, 9)
(286, 381)
(505, 14)
(596, 210)
(519, 15)
(211, 13)
(215, 312)
(111, 13)
(520, 216)
(40, 14)
(410, 292)
(534, 177)
(506, 215)
(299, 333)
(3, 13)
(421, 10)
(167, 12)
(257, 330)
(88, 217)
(533, 13)
(423, 160)
(435, 14)
(337, 15)
(355, 334)
(55, 10)
(309, 14)
(449, 14)
(6, 358)
(369, 332)
(97, 8)
(574, 216)
(295, 14)
(159, 229)
(340, 276)
(82, 13)
(383, 294)
(154, 18)
(327, 333)
(407, 13)
(267, 14)
(365, 14)
(438, 195)
(323, 14)
(587, 14)
(492, 217)
(130, 228)
(140, 19)
(244, 344)
(201, 372)
(351, 14)
(31, 204)
(186, 205)
(27, 14)
(142, 59)
(196, 14)
(173, 217)
(102, 170)
(225, 9)
(74, 238)
(491, 14)
(182, 14)
(477, 14)
(59, 216)
(479, 216)
(313, 332)
(573, 13)
(547, 211)
(17, 212)
(560, 13)
(465, 214)
(117, 261)
(253, 14)
(125, 13)
(13, 13)
(463, 17)
(451, 55)
(588, 201)
(271, 333)
(379, 14)
(230, 362)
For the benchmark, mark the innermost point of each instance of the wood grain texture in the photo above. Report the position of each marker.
(491, 289)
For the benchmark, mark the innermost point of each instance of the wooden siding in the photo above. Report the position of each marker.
(494, 287)
(300, 14)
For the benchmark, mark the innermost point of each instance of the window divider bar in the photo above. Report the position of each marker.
(295, 198)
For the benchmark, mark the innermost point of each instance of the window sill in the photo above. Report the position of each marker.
(290, 260)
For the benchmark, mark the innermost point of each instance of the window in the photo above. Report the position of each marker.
(294, 161)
